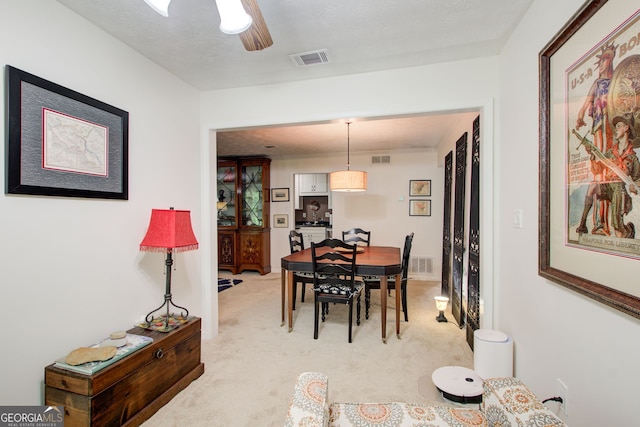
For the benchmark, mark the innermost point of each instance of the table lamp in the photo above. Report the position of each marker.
(169, 231)
(441, 305)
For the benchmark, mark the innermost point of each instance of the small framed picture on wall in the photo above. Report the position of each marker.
(420, 188)
(280, 221)
(419, 207)
(279, 194)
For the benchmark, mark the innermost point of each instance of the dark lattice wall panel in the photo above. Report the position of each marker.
(446, 229)
(473, 285)
(458, 230)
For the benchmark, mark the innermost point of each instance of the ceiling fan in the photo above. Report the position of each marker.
(257, 37)
(241, 17)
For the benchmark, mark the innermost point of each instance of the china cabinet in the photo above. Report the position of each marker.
(243, 214)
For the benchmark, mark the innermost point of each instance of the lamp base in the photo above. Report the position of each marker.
(441, 317)
(168, 321)
(164, 323)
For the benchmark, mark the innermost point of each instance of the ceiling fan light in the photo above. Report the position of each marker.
(233, 18)
(160, 6)
(348, 181)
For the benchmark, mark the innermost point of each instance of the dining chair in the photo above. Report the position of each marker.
(296, 244)
(357, 236)
(373, 282)
(334, 279)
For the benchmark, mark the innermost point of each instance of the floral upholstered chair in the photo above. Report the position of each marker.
(506, 402)
(310, 408)
(509, 402)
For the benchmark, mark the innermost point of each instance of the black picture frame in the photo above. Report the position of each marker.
(60, 142)
(419, 207)
(596, 274)
(420, 188)
(279, 194)
(280, 221)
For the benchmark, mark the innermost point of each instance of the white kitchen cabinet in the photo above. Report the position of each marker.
(312, 234)
(313, 184)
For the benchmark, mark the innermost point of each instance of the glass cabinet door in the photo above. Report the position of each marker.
(227, 196)
(252, 197)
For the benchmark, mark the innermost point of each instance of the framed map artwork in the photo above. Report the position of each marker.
(63, 143)
(419, 207)
(420, 187)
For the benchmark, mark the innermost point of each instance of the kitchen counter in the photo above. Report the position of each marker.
(312, 224)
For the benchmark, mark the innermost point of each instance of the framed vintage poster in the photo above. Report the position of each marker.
(589, 240)
(280, 221)
(63, 143)
(420, 188)
(419, 207)
(279, 194)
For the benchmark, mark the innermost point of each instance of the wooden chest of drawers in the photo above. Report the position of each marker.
(133, 388)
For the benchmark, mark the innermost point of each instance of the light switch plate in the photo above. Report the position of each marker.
(517, 218)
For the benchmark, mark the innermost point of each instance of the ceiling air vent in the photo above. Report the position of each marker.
(313, 57)
(380, 159)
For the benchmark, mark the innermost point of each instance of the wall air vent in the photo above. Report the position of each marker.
(421, 265)
(376, 160)
(313, 57)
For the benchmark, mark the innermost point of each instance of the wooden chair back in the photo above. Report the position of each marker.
(296, 241)
(406, 253)
(334, 263)
(357, 236)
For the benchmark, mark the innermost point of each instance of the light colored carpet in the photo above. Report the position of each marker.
(252, 365)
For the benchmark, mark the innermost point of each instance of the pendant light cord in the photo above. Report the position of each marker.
(348, 144)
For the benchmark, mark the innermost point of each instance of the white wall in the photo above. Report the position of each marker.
(557, 333)
(71, 267)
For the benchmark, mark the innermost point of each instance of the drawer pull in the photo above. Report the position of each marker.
(159, 354)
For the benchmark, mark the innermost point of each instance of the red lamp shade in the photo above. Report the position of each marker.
(169, 231)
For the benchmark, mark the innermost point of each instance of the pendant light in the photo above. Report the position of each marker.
(348, 180)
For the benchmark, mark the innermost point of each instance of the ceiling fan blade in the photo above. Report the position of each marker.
(257, 37)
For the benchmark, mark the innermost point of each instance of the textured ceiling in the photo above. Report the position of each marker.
(359, 35)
